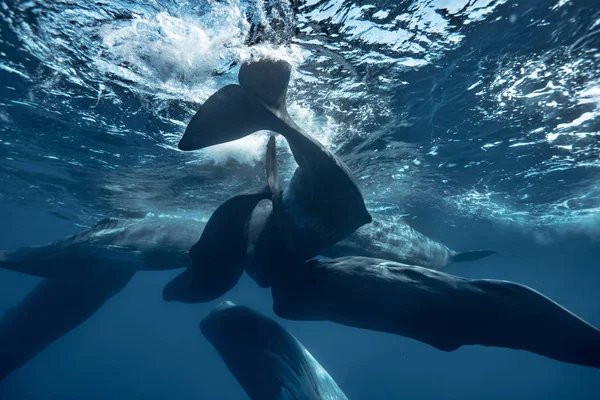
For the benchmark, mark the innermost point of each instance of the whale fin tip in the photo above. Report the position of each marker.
(472, 255)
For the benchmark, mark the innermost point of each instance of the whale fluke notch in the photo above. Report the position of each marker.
(472, 255)
(439, 309)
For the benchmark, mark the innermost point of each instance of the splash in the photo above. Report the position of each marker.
(178, 56)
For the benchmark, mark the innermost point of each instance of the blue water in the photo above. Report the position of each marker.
(479, 121)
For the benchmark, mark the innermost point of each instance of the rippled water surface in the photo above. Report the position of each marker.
(486, 109)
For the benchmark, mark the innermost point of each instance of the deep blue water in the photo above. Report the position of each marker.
(480, 124)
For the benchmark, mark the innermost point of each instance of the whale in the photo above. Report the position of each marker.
(433, 307)
(221, 254)
(219, 257)
(398, 241)
(267, 361)
(151, 243)
(51, 309)
(163, 242)
(322, 202)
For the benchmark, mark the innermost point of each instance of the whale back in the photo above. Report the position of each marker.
(266, 360)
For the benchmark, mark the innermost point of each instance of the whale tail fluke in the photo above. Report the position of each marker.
(472, 255)
(236, 111)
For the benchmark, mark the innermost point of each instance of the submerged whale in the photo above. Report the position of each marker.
(433, 307)
(322, 203)
(398, 241)
(266, 360)
(157, 243)
(137, 244)
(50, 310)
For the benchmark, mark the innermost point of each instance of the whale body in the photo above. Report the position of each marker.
(138, 244)
(51, 309)
(398, 241)
(268, 361)
(163, 242)
(433, 307)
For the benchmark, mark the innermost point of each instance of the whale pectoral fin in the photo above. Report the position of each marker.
(227, 115)
(472, 255)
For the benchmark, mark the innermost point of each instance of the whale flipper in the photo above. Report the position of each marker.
(52, 309)
(472, 255)
(266, 359)
(219, 255)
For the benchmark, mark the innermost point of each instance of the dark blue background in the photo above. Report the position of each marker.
(139, 347)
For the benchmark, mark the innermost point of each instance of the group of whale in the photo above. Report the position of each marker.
(381, 278)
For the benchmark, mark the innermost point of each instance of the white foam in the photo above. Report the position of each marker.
(172, 55)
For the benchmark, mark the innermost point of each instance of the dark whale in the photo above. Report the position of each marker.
(433, 307)
(266, 360)
(322, 203)
(52, 309)
(163, 242)
(219, 256)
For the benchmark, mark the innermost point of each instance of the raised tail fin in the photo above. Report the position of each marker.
(236, 111)
(472, 255)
